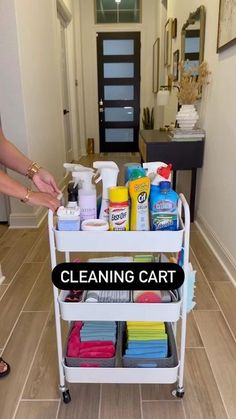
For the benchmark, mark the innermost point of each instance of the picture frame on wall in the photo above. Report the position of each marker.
(155, 70)
(175, 71)
(226, 25)
(168, 43)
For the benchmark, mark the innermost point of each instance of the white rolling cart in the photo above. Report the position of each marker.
(130, 241)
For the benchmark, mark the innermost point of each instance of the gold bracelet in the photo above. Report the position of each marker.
(32, 170)
(27, 196)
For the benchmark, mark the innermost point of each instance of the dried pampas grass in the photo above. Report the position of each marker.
(190, 85)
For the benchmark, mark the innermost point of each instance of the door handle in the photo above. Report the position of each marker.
(65, 111)
(100, 102)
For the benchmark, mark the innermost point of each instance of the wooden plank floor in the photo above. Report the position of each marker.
(27, 341)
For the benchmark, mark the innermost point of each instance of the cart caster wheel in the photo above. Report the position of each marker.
(178, 393)
(66, 397)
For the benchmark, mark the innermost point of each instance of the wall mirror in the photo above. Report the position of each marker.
(193, 39)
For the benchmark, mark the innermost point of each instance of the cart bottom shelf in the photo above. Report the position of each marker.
(121, 375)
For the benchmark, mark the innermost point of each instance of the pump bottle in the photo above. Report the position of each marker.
(87, 193)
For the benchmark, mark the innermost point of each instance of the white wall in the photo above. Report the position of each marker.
(216, 203)
(30, 93)
(88, 29)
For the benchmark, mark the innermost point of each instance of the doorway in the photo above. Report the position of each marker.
(65, 89)
(118, 58)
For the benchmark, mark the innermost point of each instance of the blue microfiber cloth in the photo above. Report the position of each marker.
(190, 289)
(94, 322)
(147, 348)
(145, 351)
(146, 343)
(161, 354)
(113, 340)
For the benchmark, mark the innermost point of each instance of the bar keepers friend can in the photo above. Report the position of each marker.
(118, 208)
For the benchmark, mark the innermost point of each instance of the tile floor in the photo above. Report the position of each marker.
(27, 340)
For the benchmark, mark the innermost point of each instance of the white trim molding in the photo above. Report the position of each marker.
(220, 251)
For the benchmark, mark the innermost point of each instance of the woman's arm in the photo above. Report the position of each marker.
(12, 188)
(11, 157)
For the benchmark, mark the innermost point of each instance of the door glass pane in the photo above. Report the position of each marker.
(129, 16)
(119, 114)
(107, 17)
(110, 11)
(119, 92)
(121, 135)
(118, 70)
(118, 47)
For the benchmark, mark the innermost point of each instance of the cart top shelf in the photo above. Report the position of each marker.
(118, 241)
(121, 241)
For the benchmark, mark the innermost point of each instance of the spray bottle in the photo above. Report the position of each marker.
(158, 171)
(108, 173)
(87, 193)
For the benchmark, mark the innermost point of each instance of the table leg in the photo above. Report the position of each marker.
(192, 193)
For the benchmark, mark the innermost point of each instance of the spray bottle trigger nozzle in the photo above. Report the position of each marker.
(98, 179)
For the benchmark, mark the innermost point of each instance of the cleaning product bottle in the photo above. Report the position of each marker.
(139, 190)
(118, 208)
(158, 171)
(72, 195)
(108, 173)
(87, 193)
(164, 207)
(128, 167)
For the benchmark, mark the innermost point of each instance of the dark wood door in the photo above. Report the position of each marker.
(118, 56)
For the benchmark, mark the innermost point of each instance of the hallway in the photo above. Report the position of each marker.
(28, 340)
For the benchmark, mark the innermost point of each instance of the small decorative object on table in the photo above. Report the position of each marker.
(148, 118)
(178, 134)
(190, 86)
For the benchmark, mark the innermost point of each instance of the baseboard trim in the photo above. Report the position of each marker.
(225, 258)
(27, 220)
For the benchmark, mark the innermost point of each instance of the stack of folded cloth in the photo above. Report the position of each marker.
(146, 340)
(108, 296)
(92, 339)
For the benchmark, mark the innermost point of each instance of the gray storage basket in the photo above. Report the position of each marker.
(101, 362)
(170, 362)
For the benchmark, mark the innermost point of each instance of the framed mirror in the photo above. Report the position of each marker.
(193, 39)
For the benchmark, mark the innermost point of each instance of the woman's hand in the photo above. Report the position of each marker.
(45, 182)
(44, 199)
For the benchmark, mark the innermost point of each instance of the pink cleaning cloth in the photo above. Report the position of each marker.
(107, 348)
(88, 365)
(73, 346)
(92, 343)
(100, 354)
(97, 355)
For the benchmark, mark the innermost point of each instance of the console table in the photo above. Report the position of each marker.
(155, 145)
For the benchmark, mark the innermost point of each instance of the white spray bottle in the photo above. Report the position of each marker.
(152, 171)
(108, 173)
(87, 193)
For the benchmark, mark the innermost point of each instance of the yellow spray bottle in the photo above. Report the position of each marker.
(139, 190)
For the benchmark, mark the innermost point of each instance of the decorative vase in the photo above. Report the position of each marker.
(187, 117)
